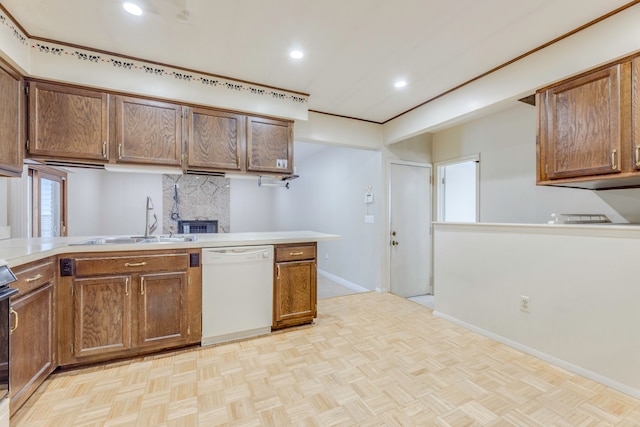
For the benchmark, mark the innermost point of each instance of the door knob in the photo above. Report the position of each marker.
(393, 233)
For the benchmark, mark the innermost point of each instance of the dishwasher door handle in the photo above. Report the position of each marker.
(239, 252)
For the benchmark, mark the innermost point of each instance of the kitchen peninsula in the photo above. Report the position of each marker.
(565, 293)
(80, 304)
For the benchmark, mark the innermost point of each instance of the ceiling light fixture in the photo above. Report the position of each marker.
(132, 8)
(400, 83)
(296, 54)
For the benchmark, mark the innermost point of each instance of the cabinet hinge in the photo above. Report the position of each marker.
(72, 348)
(26, 90)
(188, 330)
(546, 168)
(27, 144)
(188, 280)
(72, 291)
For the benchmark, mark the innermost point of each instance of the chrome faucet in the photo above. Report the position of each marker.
(149, 229)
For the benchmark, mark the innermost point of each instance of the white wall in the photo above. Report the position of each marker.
(583, 302)
(329, 197)
(251, 206)
(4, 201)
(108, 203)
(84, 201)
(506, 141)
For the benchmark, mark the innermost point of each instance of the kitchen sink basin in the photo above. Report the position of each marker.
(134, 239)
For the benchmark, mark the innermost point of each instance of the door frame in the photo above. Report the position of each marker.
(387, 235)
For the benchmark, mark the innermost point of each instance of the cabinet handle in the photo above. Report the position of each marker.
(135, 264)
(614, 166)
(104, 149)
(637, 155)
(277, 272)
(126, 287)
(142, 286)
(15, 325)
(34, 278)
(296, 253)
(119, 151)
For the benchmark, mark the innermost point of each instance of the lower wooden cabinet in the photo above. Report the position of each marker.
(295, 285)
(32, 341)
(119, 305)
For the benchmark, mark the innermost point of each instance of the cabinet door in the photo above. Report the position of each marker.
(581, 126)
(162, 309)
(148, 132)
(11, 122)
(635, 112)
(101, 315)
(295, 293)
(215, 140)
(269, 145)
(32, 343)
(67, 123)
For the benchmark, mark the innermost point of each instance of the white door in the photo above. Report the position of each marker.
(410, 224)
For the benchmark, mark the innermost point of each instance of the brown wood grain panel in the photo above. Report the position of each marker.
(269, 142)
(295, 253)
(109, 264)
(163, 312)
(32, 276)
(32, 351)
(216, 140)
(148, 131)
(67, 122)
(11, 122)
(102, 315)
(635, 114)
(583, 118)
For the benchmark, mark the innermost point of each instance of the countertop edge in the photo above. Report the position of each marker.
(34, 249)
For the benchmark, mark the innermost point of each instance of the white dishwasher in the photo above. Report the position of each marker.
(237, 292)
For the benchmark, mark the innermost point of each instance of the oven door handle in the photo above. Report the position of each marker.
(15, 325)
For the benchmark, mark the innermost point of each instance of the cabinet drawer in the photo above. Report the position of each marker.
(130, 264)
(33, 276)
(295, 253)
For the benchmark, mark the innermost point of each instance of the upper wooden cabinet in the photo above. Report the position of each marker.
(11, 122)
(581, 125)
(269, 145)
(148, 132)
(68, 122)
(216, 140)
(589, 129)
(76, 125)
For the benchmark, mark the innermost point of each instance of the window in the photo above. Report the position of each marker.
(48, 200)
(458, 190)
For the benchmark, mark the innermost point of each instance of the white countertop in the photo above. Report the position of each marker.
(603, 230)
(21, 251)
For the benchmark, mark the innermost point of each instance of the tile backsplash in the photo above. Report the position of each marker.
(199, 197)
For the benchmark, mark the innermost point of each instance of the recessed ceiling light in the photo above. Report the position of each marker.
(132, 8)
(400, 83)
(296, 54)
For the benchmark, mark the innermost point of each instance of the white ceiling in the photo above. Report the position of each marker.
(355, 49)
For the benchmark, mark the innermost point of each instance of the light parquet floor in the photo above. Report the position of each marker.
(370, 360)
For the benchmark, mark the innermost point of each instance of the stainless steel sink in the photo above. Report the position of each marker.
(135, 239)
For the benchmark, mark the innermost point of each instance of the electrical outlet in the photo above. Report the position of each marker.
(524, 303)
(326, 256)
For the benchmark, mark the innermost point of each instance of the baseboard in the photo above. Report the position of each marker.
(235, 336)
(343, 282)
(631, 391)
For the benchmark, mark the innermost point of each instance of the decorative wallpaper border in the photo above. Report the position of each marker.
(101, 59)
